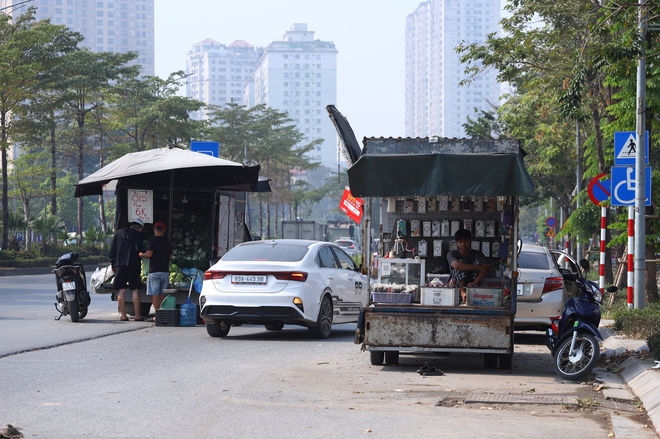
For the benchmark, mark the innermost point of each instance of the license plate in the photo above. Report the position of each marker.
(520, 290)
(248, 279)
(68, 286)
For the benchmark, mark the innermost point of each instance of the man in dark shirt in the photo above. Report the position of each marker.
(468, 267)
(125, 262)
(159, 253)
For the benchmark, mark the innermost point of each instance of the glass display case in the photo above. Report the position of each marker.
(401, 271)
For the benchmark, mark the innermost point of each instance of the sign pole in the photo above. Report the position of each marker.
(603, 235)
(640, 184)
(631, 261)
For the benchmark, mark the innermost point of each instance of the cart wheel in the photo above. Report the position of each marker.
(392, 357)
(490, 361)
(376, 357)
(506, 361)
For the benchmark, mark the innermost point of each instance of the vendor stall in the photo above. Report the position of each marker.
(201, 198)
(427, 189)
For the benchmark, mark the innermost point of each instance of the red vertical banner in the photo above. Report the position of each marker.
(351, 205)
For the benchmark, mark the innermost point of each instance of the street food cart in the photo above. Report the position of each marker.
(201, 198)
(427, 189)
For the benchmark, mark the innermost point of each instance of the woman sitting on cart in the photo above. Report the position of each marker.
(467, 266)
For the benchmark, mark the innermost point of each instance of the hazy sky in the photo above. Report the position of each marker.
(368, 34)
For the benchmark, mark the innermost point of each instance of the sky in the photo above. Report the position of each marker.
(368, 34)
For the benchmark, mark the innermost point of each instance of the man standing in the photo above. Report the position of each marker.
(125, 262)
(159, 253)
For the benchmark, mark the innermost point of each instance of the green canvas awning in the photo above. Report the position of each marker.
(392, 175)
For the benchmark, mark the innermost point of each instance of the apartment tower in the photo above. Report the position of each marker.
(435, 103)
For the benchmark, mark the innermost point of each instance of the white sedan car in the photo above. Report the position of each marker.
(283, 281)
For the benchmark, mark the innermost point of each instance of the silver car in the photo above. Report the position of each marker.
(542, 288)
(349, 246)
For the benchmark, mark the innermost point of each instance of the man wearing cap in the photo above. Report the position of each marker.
(125, 261)
(159, 253)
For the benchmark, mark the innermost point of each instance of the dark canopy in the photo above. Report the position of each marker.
(392, 175)
(171, 166)
(350, 146)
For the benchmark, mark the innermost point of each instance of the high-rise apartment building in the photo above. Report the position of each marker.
(108, 26)
(435, 102)
(299, 75)
(218, 74)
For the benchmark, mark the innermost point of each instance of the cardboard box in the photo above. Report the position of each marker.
(392, 297)
(484, 296)
(440, 296)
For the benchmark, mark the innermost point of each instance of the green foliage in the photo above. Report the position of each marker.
(653, 343)
(638, 323)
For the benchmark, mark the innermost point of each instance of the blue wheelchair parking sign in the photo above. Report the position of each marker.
(624, 184)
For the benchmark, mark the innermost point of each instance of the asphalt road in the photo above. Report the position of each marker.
(102, 378)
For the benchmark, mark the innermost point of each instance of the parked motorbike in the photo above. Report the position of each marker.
(72, 296)
(572, 337)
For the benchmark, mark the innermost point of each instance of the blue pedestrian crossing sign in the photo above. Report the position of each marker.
(625, 148)
(624, 183)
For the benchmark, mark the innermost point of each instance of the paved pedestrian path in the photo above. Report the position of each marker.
(635, 374)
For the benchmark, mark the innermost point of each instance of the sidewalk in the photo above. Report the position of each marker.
(38, 270)
(636, 373)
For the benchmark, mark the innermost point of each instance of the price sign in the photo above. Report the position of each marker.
(141, 205)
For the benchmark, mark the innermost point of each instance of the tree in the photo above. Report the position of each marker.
(151, 115)
(30, 170)
(86, 79)
(27, 48)
(267, 137)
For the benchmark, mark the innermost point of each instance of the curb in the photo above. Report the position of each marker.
(637, 374)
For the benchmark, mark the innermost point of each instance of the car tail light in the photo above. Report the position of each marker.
(351, 246)
(299, 276)
(552, 284)
(211, 274)
(554, 324)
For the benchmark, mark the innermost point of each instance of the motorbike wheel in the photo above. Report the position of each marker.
(583, 360)
(83, 312)
(73, 311)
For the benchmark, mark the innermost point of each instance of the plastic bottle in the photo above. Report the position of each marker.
(188, 314)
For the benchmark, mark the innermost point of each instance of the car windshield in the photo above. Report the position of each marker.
(537, 261)
(266, 252)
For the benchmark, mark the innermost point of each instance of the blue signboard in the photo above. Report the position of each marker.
(625, 148)
(209, 148)
(624, 184)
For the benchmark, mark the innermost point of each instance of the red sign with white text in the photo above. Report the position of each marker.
(351, 206)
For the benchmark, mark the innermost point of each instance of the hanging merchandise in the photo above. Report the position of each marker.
(401, 229)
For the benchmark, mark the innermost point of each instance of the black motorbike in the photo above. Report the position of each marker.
(72, 296)
(572, 338)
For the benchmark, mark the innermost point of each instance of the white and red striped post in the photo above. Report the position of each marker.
(631, 260)
(603, 229)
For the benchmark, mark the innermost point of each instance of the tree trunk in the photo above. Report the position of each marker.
(5, 181)
(53, 168)
(27, 236)
(80, 161)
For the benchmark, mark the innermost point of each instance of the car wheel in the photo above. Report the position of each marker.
(376, 357)
(392, 357)
(274, 326)
(323, 321)
(219, 328)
